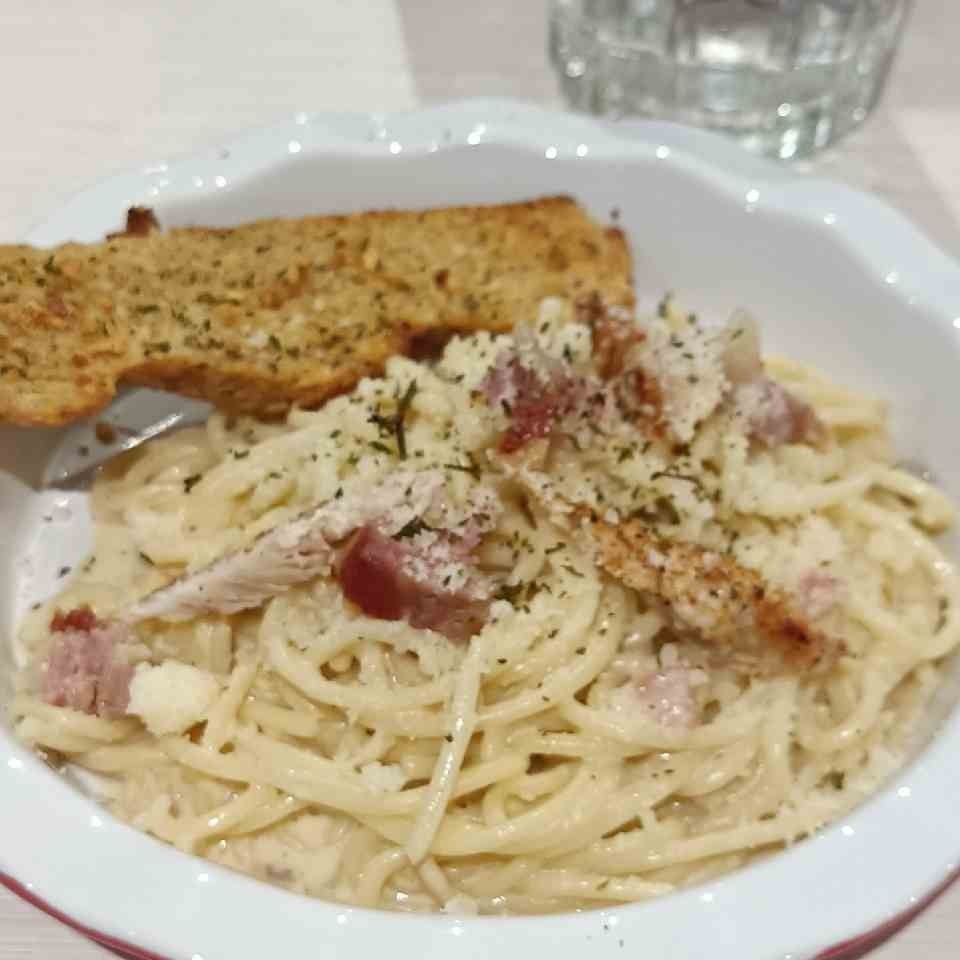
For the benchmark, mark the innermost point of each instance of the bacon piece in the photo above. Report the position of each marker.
(635, 392)
(534, 405)
(429, 588)
(537, 402)
(370, 573)
(774, 416)
(534, 419)
(726, 604)
(84, 670)
(79, 618)
(614, 331)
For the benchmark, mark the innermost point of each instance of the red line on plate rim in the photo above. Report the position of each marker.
(129, 950)
(851, 949)
(860, 945)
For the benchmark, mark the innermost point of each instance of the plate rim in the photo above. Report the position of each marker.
(881, 238)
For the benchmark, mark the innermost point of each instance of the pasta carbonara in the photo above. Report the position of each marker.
(377, 654)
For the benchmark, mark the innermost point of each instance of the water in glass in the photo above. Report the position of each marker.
(786, 77)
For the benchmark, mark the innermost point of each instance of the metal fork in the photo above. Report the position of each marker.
(136, 416)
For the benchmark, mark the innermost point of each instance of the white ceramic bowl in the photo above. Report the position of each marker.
(836, 278)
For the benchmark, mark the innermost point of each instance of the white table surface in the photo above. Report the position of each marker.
(87, 95)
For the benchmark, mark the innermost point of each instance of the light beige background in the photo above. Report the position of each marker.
(86, 95)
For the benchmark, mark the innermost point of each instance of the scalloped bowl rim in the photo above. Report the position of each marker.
(796, 904)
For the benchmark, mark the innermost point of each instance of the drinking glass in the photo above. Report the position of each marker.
(785, 77)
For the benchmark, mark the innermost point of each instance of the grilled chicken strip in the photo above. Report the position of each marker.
(724, 603)
(294, 552)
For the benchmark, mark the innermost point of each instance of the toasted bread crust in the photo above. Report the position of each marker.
(280, 312)
(726, 604)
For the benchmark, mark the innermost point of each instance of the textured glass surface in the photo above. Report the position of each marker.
(785, 76)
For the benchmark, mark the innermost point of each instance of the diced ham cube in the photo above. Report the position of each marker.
(533, 405)
(664, 696)
(83, 669)
(370, 575)
(667, 696)
(775, 416)
(537, 403)
(430, 589)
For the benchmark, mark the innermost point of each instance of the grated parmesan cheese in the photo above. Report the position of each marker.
(172, 697)
(688, 365)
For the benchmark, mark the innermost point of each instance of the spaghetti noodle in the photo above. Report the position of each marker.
(583, 746)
